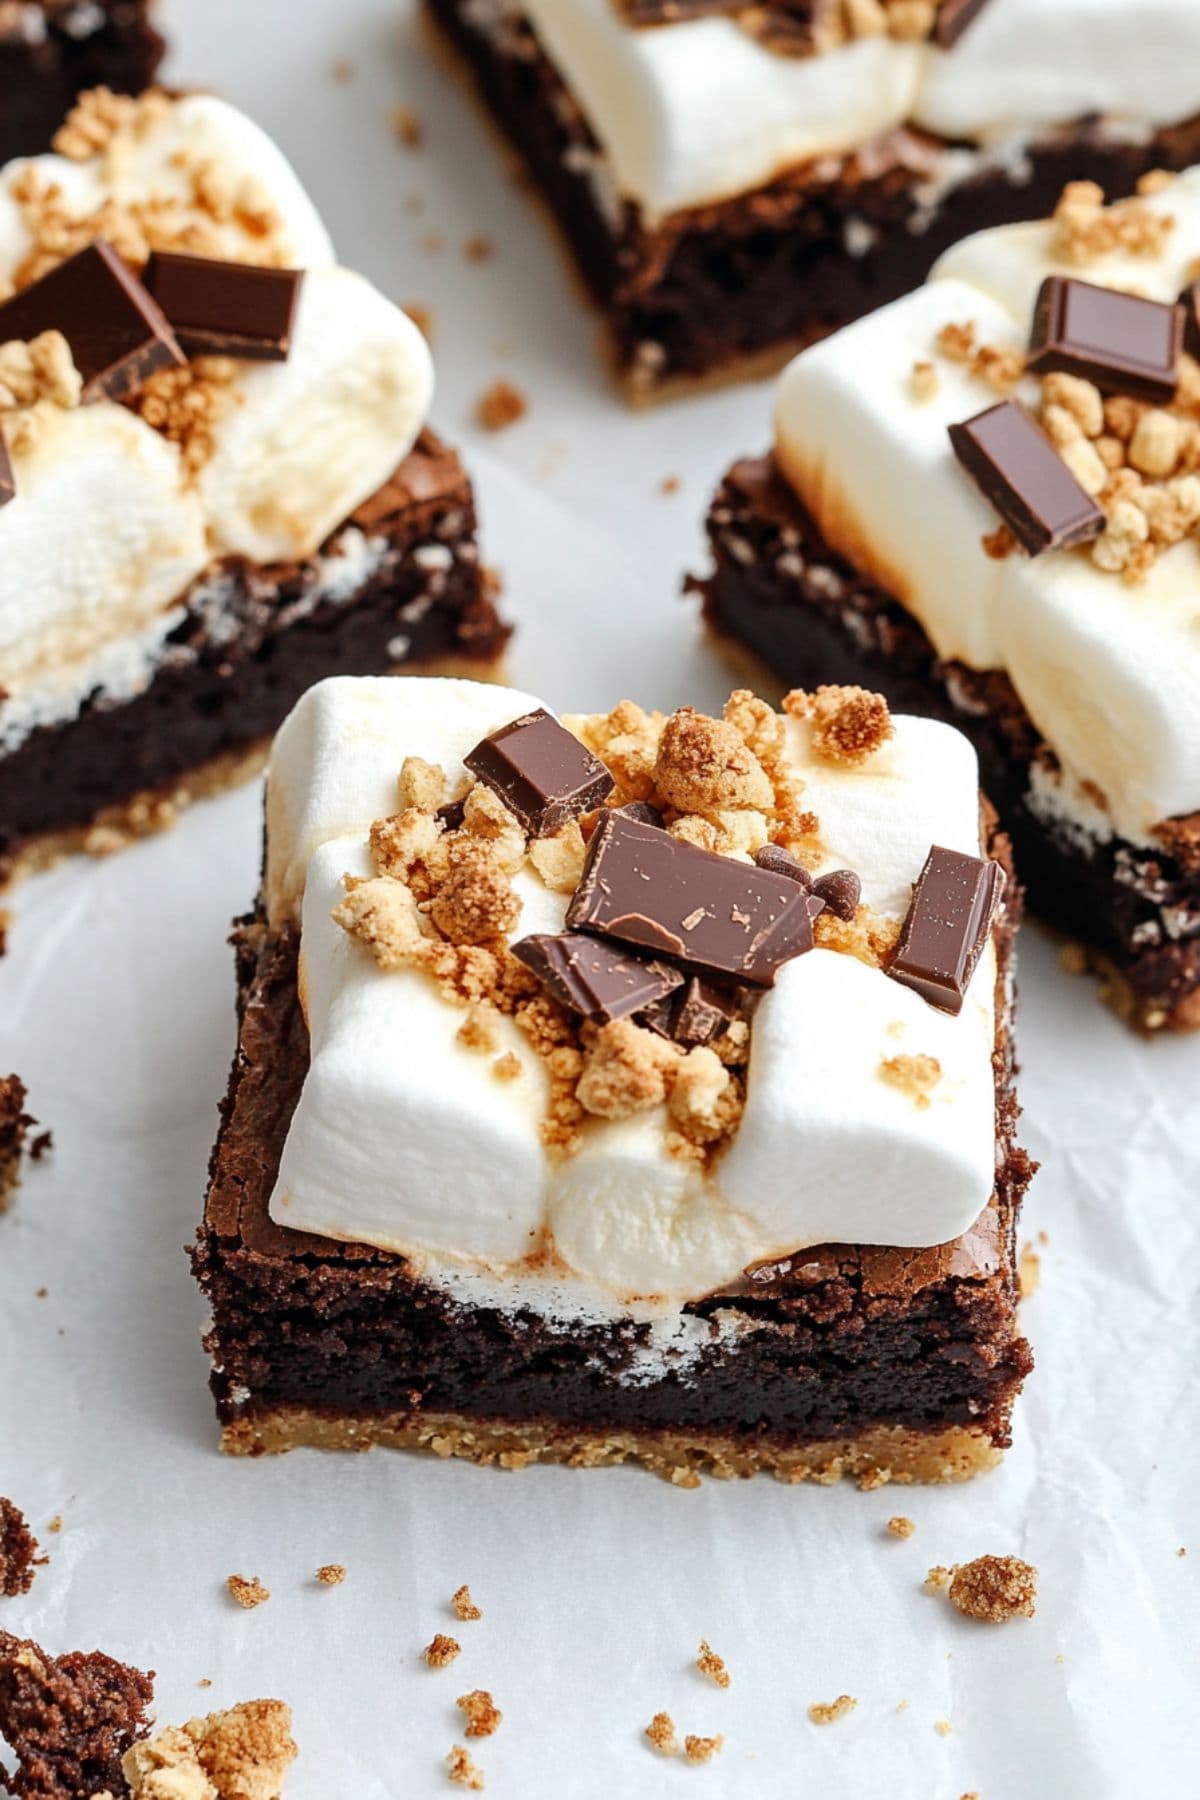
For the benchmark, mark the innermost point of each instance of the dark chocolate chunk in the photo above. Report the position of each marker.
(1190, 302)
(1120, 342)
(588, 976)
(697, 1013)
(1016, 467)
(781, 862)
(452, 814)
(841, 890)
(642, 809)
(953, 17)
(8, 481)
(949, 917)
(716, 916)
(118, 334)
(226, 308)
(543, 774)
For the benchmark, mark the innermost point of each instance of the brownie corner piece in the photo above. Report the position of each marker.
(51, 51)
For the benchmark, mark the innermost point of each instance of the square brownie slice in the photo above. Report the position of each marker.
(983, 501)
(51, 51)
(678, 1130)
(216, 479)
(734, 181)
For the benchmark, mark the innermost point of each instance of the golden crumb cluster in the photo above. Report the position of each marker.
(712, 1666)
(463, 1606)
(441, 1651)
(994, 1589)
(41, 370)
(1000, 367)
(1085, 229)
(462, 1771)
(241, 1754)
(483, 1716)
(828, 1712)
(442, 899)
(916, 1076)
(247, 1590)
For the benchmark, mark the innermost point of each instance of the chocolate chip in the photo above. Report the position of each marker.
(8, 480)
(591, 978)
(226, 308)
(452, 814)
(716, 916)
(779, 861)
(1119, 342)
(117, 332)
(841, 891)
(949, 918)
(541, 772)
(953, 17)
(1016, 467)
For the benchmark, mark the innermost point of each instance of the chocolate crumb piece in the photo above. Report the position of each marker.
(541, 771)
(408, 127)
(712, 1666)
(702, 1749)
(1119, 342)
(500, 405)
(900, 1527)
(462, 1604)
(594, 979)
(18, 1551)
(331, 1574)
(441, 1651)
(41, 1146)
(68, 1720)
(247, 1590)
(241, 1754)
(482, 1714)
(947, 926)
(1019, 471)
(661, 1732)
(117, 332)
(827, 1712)
(461, 1771)
(995, 1589)
(841, 891)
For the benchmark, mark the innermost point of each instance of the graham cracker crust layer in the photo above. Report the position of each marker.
(881, 1454)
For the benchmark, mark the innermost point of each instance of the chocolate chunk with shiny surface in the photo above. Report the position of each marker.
(226, 308)
(949, 917)
(588, 976)
(1119, 342)
(8, 480)
(716, 916)
(1190, 302)
(643, 811)
(1016, 467)
(117, 332)
(779, 861)
(953, 17)
(841, 890)
(541, 772)
(696, 1014)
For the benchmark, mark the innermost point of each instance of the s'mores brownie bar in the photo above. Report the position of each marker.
(985, 501)
(624, 1088)
(735, 180)
(216, 483)
(51, 51)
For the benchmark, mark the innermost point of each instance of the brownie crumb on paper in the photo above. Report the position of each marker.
(500, 405)
(18, 1551)
(68, 1720)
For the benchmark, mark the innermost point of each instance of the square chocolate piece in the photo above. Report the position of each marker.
(1120, 342)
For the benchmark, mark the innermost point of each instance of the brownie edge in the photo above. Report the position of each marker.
(42, 73)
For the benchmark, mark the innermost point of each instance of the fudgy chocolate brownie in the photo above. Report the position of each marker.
(51, 50)
(68, 1719)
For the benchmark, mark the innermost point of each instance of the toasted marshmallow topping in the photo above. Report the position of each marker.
(699, 110)
(1108, 671)
(406, 1138)
(117, 511)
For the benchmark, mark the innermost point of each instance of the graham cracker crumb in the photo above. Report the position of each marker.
(661, 1732)
(463, 1605)
(500, 405)
(670, 484)
(873, 1478)
(331, 1574)
(408, 126)
(247, 1590)
(1085, 229)
(423, 317)
(995, 1589)
(999, 544)
(558, 859)
(185, 405)
(383, 915)
(624, 1072)
(480, 1030)
(938, 1578)
(18, 1551)
(479, 248)
(507, 1067)
(705, 765)
(461, 1771)
(56, 1523)
(916, 1076)
(204, 1682)
(712, 1666)
(441, 1651)
(923, 382)
(39, 369)
(827, 1712)
(868, 936)
(849, 723)
(900, 1526)
(1001, 368)
(99, 115)
(482, 1714)
(341, 71)
(1029, 1272)
(702, 1749)
(241, 1754)
(475, 903)
(943, 1727)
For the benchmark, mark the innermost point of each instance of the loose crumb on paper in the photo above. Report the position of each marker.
(500, 405)
(408, 127)
(463, 1606)
(939, 1577)
(943, 1727)
(995, 1589)
(248, 1590)
(900, 1526)
(828, 1712)
(661, 1732)
(712, 1666)
(483, 1716)
(18, 1551)
(462, 1771)
(702, 1749)
(441, 1651)
(331, 1574)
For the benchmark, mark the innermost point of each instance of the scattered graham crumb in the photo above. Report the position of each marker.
(943, 1727)
(331, 1574)
(500, 405)
(507, 1067)
(408, 126)
(661, 1732)
(462, 1772)
(41, 1293)
(937, 1578)
(712, 1666)
(874, 1478)
(923, 382)
(422, 317)
(1182, 1550)
(441, 1651)
(247, 1590)
(903, 1706)
(1029, 1272)
(827, 1712)
(998, 544)
(55, 1523)
(670, 484)
(462, 1604)
(482, 1714)
(916, 1076)
(479, 248)
(702, 1749)
(432, 241)
(995, 1589)
(899, 1526)
(204, 1682)
(341, 71)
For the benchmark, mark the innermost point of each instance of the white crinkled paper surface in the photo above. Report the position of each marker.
(116, 1007)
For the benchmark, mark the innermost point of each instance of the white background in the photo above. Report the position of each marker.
(116, 1007)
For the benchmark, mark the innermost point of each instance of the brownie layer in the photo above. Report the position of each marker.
(808, 616)
(734, 288)
(251, 642)
(839, 1359)
(53, 51)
